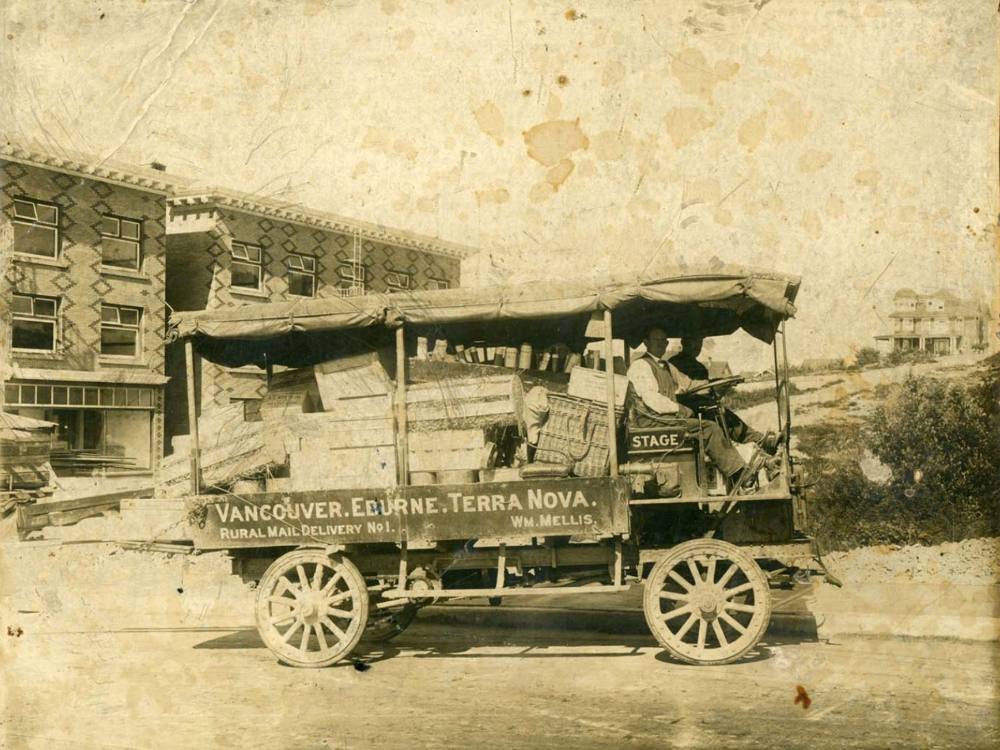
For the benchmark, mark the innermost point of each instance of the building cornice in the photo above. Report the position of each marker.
(297, 214)
(80, 165)
(180, 192)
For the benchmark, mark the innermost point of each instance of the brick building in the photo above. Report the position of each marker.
(939, 322)
(225, 249)
(82, 315)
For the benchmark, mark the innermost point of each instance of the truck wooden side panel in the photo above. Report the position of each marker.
(497, 510)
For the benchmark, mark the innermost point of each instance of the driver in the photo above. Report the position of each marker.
(694, 373)
(655, 384)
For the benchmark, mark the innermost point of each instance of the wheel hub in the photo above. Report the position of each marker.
(309, 608)
(707, 604)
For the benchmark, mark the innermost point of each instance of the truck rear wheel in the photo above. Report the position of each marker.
(707, 602)
(311, 608)
(384, 625)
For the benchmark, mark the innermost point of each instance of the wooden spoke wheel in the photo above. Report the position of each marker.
(311, 608)
(707, 602)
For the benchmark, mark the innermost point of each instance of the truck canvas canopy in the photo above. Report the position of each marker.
(709, 302)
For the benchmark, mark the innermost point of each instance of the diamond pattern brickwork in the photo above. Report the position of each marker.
(76, 277)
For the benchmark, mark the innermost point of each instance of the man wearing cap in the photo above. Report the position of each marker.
(654, 382)
(694, 373)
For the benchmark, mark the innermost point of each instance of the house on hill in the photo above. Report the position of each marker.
(939, 322)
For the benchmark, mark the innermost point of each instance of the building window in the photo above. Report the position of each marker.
(121, 241)
(246, 271)
(34, 323)
(302, 275)
(36, 228)
(105, 397)
(251, 408)
(439, 284)
(120, 331)
(398, 281)
(352, 278)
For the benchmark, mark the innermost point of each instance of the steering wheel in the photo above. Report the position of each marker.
(712, 384)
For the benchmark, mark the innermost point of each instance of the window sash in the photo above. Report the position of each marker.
(243, 275)
(301, 275)
(35, 306)
(246, 252)
(354, 273)
(119, 341)
(246, 268)
(120, 315)
(121, 331)
(398, 280)
(35, 323)
(29, 334)
(303, 263)
(119, 253)
(301, 284)
(32, 238)
(36, 212)
(36, 228)
(60, 396)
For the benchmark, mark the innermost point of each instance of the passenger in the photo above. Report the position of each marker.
(654, 381)
(695, 373)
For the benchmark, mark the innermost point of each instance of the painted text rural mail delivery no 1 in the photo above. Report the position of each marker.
(578, 507)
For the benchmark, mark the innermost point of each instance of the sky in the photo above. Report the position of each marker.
(851, 143)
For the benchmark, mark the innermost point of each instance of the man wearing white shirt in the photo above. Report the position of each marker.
(654, 381)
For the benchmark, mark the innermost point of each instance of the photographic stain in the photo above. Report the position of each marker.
(801, 696)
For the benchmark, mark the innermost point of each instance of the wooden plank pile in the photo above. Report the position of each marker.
(76, 462)
(35, 517)
(25, 446)
(231, 449)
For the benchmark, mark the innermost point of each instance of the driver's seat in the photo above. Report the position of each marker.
(667, 446)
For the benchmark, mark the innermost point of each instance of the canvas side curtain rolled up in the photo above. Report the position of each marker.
(713, 302)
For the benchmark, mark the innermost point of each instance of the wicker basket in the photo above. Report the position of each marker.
(576, 433)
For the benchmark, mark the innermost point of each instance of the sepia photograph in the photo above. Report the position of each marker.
(499, 374)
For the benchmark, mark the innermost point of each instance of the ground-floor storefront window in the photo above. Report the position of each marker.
(98, 427)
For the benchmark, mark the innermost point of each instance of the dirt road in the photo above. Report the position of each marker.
(439, 686)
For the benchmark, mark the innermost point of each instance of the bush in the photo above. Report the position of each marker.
(939, 440)
(913, 356)
(868, 355)
(738, 399)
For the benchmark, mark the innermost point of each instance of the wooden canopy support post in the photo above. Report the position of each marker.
(609, 362)
(788, 385)
(404, 572)
(501, 566)
(192, 417)
(619, 578)
(402, 449)
(777, 384)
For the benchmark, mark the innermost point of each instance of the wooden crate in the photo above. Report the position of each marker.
(317, 467)
(354, 376)
(593, 385)
(335, 433)
(291, 392)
